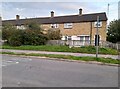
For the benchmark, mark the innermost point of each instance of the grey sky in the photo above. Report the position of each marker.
(42, 9)
(119, 10)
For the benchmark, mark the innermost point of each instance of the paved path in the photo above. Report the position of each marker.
(61, 53)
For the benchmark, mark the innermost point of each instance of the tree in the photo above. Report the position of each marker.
(16, 39)
(32, 35)
(33, 25)
(113, 34)
(7, 31)
(54, 34)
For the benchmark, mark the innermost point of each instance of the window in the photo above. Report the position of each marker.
(65, 37)
(81, 38)
(54, 25)
(84, 38)
(69, 37)
(87, 38)
(99, 24)
(68, 25)
(20, 27)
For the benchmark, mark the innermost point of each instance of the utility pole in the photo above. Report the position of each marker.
(108, 10)
(108, 14)
(97, 37)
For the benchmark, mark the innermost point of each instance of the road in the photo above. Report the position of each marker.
(41, 72)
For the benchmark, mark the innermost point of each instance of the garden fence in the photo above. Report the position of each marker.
(78, 43)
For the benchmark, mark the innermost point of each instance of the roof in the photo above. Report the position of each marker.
(60, 19)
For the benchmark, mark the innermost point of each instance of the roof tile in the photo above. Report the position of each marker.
(60, 19)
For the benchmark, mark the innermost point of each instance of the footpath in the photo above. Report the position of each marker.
(60, 53)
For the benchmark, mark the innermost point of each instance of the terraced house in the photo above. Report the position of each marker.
(72, 27)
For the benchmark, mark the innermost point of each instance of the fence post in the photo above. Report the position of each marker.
(117, 46)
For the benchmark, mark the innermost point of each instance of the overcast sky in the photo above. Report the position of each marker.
(30, 9)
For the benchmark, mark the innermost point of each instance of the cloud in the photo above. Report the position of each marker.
(19, 9)
(60, 1)
(0, 8)
(42, 9)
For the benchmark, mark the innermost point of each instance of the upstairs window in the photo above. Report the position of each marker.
(99, 24)
(54, 25)
(68, 25)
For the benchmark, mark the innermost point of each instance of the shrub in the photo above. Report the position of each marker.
(7, 31)
(33, 38)
(32, 35)
(27, 37)
(54, 34)
(15, 39)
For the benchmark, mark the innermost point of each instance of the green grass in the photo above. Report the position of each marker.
(55, 48)
(69, 57)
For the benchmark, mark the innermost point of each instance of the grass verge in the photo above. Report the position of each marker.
(69, 57)
(55, 48)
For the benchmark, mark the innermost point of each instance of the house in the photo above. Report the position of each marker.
(72, 27)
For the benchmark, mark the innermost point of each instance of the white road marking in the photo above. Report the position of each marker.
(9, 61)
(30, 59)
(3, 65)
(16, 62)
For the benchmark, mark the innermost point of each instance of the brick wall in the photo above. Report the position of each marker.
(83, 28)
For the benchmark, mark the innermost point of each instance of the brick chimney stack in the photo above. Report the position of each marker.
(80, 11)
(17, 17)
(52, 14)
(0, 18)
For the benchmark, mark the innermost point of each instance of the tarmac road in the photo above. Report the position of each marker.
(40, 72)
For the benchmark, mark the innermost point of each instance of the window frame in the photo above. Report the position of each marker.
(69, 37)
(55, 25)
(68, 25)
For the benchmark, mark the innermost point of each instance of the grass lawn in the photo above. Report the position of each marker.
(87, 49)
(69, 57)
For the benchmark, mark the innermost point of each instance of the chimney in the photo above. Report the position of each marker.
(0, 18)
(52, 14)
(0, 22)
(80, 11)
(17, 17)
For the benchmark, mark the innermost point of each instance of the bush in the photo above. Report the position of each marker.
(33, 38)
(7, 31)
(54, 34)
(32, 35)
(27, 37)
(15, 39)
